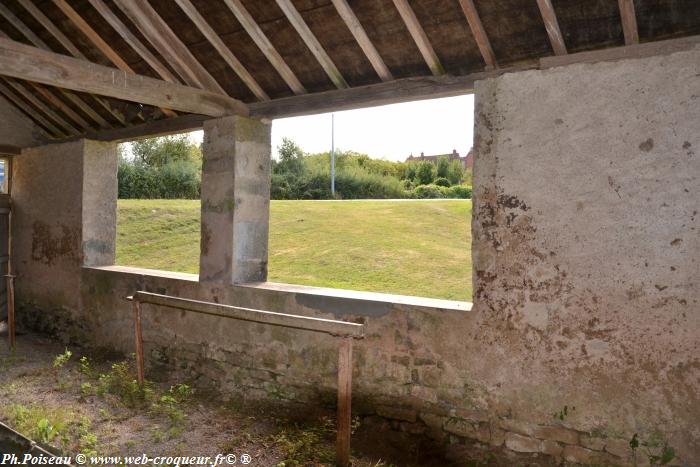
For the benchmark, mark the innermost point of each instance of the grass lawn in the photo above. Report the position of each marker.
(417, 247)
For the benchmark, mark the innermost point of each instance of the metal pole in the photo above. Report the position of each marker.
(344, 398)
(138, 337)
(333, 155)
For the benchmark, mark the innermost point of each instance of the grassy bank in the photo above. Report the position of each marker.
(417, 247)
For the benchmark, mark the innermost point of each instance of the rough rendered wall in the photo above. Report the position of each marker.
(15, 128)
(587, 246)
(64, 198)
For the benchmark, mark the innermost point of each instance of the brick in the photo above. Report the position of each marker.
(556, 433)
(551, 448)
(520, 443)
(397, 413)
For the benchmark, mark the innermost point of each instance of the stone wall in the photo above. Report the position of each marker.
(585, 327)
(17, 129)
(64, 217)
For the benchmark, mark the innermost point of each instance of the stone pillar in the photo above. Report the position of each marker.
(235, 200)
(64, 217)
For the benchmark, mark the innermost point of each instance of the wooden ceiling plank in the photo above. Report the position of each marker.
(20, 104)
(220, 47)
(479, 33)
(73, 98)
(60, 105)
(95, 38)
(33, 64)
(55, 32)
(419, 36)
(360, 35)
(82, 105)
(46, 22)
(264, 44)
(133, 41)
(44, 108)
(91, 34)
(159, 34)
(312, 43)
(629, 21)
(552, 26)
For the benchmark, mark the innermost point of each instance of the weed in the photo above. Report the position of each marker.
(306, 445)
(84, 367)
(38, 422)
(60, 360)
(657, 448)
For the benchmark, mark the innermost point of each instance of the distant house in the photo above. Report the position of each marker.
(466, 161)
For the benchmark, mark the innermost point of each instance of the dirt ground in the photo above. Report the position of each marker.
(86, 401)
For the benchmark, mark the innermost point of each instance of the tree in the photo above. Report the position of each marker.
(291, 158)
(455, 173)
(443, 167)
(425, 173)
(159, 152)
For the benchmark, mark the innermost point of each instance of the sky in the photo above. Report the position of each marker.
(392, 132)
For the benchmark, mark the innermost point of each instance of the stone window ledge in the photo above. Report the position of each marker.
(407, 300)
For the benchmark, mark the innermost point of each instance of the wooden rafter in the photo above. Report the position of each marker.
(479, 33)
(419, 36)
(362, 39)
(629, 21)
(29, 34)
(33, 114)
(43, 108)
(552, 26)
(57, 103)
(312, 43)
(220, 47)
(46, 22)
(133, 41)
(33, 64)
(264, 44)
(159, 34)
(95, 38)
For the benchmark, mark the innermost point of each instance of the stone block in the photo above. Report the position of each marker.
(498, 437)
(579, 455)
(551, 448)
(594, 443)
(460, 427)
(397, 413)
(517, 426)
(556, 433)
(520, 443)
(618, 447)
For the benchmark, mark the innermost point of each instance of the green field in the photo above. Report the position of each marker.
(417, 247)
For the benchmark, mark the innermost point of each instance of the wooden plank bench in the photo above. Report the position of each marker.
(342, 330)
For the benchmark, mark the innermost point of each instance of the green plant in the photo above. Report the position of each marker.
(460, 191)
(60, 360)
(658, 451)
(425, 173)
(442, 181)
(84, 366)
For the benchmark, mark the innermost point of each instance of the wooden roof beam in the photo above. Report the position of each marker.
(220, 47)
(552, 26)
(419, 36)
(43, 107)
(30, 63)
(479, 33)
(312, 43)
(95, 38)
(133, 41)
(362, 39)
(68, 45)
(629, 21)
(34, 115)
(159, 34)
(264, 44)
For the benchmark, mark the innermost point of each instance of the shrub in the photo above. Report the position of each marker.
(442, 181)
(460, 191)
(429, 192)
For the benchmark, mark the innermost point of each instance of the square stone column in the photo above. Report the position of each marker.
(235, 200)
(64, 218)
